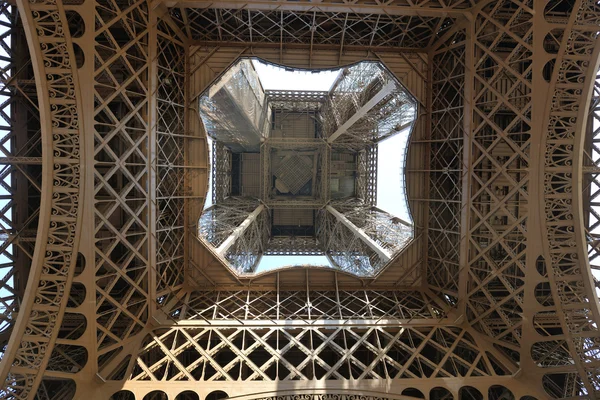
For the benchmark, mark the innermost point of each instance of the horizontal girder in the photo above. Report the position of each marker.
(398, 7)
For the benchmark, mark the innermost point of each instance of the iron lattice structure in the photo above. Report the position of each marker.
(107, 291)
(318, 153)
(313, 149)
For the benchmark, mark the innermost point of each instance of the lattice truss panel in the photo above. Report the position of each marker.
(248, 247)
(267, 354)
(591, 163)
(220, 220)
(297, 245)
(315, 305)
(310, 26)
(366, 181)
(305, 100)
(499, 144)
(445, 182)
(388, 232)
(500, 262)
(361, 239)
(238, 235)
(123, 257)
(351, 92)
(591, 189)
(347, 251)
(490, 238)
(173, 176)
(300, 305)
(221, 172)
(352, 96)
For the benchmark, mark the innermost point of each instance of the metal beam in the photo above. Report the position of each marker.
(361, 112)
(239, 231)
(21, 160)
(246, 44)
(325, 322)
(592, 169)
(361, 234)
(360, 7)
(223, 80)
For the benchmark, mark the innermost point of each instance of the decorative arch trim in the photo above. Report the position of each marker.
(55, 255)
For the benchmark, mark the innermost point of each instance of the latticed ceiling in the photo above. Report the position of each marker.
(106, 290)
(311, 26)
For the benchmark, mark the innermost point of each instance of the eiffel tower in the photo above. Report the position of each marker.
(148, 174)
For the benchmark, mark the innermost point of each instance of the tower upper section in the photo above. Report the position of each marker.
(299, 168)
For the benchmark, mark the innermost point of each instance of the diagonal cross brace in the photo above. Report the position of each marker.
(361, 112)
(361, 234)
(239, 231)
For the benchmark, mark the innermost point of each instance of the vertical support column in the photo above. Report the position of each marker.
(152, 159)
(19, 141)
(197, 151)
(446, 61)
(170, 170)
(427, 181)
(535, 226)
(466, 170)
(87, 277)
(122, 153)
(222, 164)
(189, 228)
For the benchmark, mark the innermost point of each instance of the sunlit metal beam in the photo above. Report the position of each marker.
(382, 252)
(385, 91)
